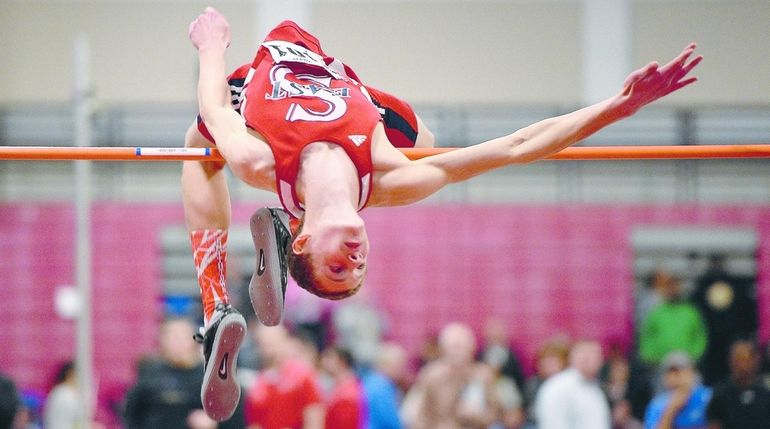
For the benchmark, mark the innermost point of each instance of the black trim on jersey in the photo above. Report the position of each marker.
(397, 122)
(238, 83)
(236, 91)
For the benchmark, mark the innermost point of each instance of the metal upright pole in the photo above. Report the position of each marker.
(606, 44)
(82, 120)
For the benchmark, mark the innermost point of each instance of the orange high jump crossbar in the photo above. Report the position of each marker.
(49, 153)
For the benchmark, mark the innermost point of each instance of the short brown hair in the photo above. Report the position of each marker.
(301, 270)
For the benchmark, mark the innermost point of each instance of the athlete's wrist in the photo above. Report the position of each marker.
(620, 107)
(211, 48)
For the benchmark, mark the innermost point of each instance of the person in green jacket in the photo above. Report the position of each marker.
(674, 324)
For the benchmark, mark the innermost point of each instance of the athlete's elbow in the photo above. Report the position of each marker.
(250, 163)
(251, 170)
(214, 110)
(210, 112)
(518, 151)
(523, 157)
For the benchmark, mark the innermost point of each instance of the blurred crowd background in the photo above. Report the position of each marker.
(333, 365)
(555, 295)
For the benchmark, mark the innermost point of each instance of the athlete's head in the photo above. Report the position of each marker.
(330, 260)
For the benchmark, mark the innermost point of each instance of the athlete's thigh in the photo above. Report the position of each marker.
(194, 138)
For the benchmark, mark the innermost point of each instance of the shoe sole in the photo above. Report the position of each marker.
(265, 289)
(220, 391)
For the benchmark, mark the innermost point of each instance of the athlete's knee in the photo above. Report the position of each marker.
(425, 137)
(194, 139)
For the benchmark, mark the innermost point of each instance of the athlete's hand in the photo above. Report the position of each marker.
(652, 82)
(210, 30)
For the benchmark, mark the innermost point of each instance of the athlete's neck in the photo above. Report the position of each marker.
(327, 183)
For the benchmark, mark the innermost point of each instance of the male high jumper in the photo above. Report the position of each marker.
(300, 123)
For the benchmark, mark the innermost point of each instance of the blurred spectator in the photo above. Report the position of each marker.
(616, 382)
(674, 324)
(167, 391)
(29, 414)
(498, 353)
(508, 378)
(508, 400)
(448, 393)
(729, 308)
(479, 407)
(380, 387)
(303, 346)
(684, 401)
(63, 407)
(622, 416)
(285, 393)
(651, 295)
(627, 386)
(358, 327)
(308, 315)
(573, 398)
(743, 400)
(616, 374)
(9, 402)
(429, 350)
(551, 358)
(345, 404)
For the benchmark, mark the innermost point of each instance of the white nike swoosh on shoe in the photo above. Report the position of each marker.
(261, 268)
(223, 367)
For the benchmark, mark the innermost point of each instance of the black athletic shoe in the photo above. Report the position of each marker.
(220, 391)
(267, 288)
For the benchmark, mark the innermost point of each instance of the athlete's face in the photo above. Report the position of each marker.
(339, 256)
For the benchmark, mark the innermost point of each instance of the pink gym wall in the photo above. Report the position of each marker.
(544, 269)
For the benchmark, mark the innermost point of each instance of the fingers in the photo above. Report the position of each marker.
(680, 59)
(679, 85)
(654, 82)
(651, 68)
(208, 26)
(692, 64)
(686, 52)
(681, 72)
(641, 73)
(209, 14)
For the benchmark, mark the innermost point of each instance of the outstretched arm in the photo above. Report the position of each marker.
(416, 180)
(248, 156)
(210, 34)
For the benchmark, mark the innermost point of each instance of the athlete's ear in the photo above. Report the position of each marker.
(299, 243)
